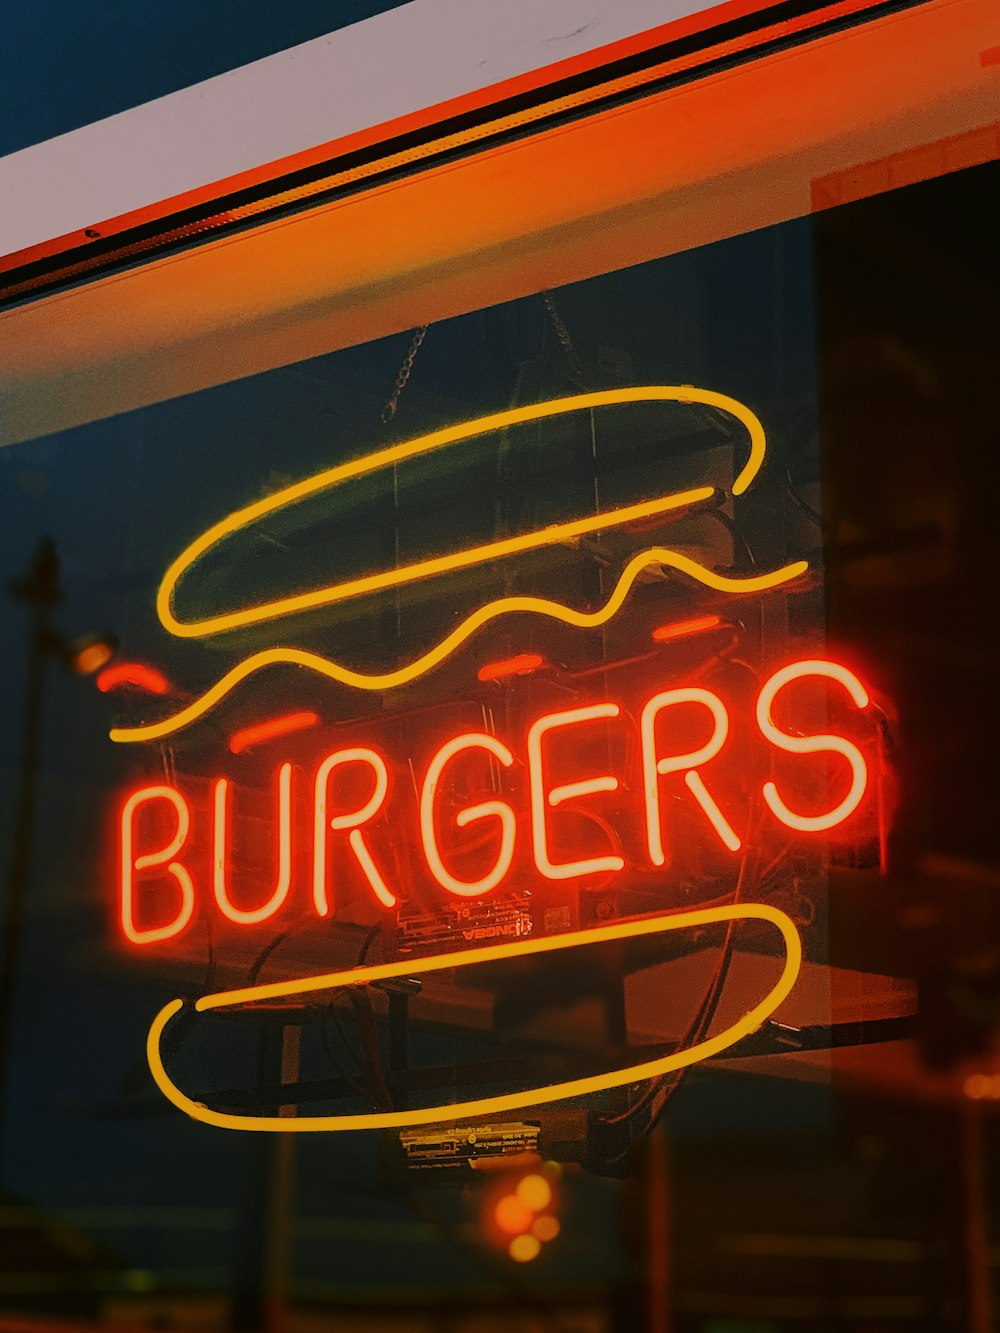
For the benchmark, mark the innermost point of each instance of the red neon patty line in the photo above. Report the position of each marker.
(680, 629)
(511, 666)
(132, 673)
(270, 730)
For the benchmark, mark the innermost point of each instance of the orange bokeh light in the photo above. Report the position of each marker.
(534, 1192)
(512, 1215)
(523, 1249)
(546, 1228)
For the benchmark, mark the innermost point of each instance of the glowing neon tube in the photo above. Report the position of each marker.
(814, 744)
(270, 730)
(580, 1087)
(682, 629)
(522, 665)
(387, 680)
(132, 673)
(243, 518)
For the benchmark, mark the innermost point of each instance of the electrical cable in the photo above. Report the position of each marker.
(800, 504)
(264, 955)
(720, 516)
(657, 1094)
(596, 885)
(706, 1011)
(329, 1011)
(696, 1029)
(372, 1066)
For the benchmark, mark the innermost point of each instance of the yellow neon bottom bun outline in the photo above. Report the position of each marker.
(477, 555)
(484, 1106)
(657, 555)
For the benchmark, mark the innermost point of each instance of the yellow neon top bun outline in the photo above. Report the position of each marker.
(655, 556)
(580, 1087)
(426, 444)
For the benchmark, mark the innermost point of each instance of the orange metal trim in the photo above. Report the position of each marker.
(414, 121)
(955, 153)
(425, 118)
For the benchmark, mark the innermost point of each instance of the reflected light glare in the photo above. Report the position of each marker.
(980, 1087)
(535, 1192)
(512, 1215)
(90, 657)
(523, 1249)
(546, 1228)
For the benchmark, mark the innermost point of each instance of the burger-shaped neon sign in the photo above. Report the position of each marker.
(666, 734)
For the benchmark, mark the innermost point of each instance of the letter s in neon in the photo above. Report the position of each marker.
(813, 744)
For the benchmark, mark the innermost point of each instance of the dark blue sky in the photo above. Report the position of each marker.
(65, 64)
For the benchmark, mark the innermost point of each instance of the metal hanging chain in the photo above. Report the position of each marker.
(405, 370)
(562, 333)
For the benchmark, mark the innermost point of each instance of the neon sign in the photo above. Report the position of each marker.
(655, 557)
(551, 535)
(580, 1087)
(158, 873)
(329, 815)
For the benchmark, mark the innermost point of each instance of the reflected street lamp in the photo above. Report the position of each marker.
(40, 590)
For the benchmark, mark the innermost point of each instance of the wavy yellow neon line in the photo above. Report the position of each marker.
(424, 444)
(387, 680)
(552, 1092)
